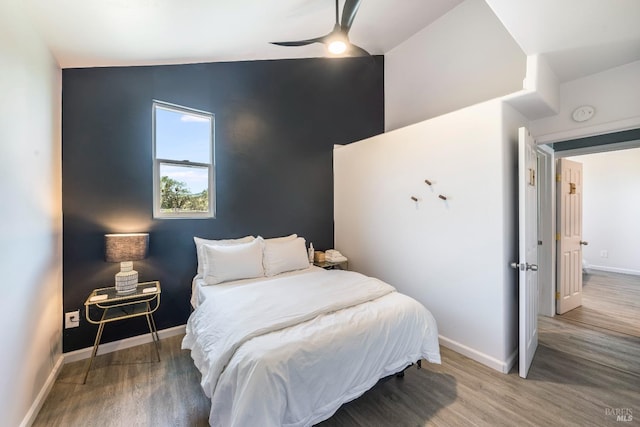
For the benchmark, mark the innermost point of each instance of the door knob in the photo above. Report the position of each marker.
(525, 266)
(583, 243)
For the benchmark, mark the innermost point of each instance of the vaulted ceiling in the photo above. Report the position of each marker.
(578, 37)
(84, 33)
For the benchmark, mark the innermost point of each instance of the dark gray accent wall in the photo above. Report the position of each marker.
(275, 126)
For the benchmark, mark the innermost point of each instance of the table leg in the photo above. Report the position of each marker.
(96, 344)
(154, 331)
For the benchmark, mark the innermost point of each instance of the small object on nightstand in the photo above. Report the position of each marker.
(126, 248)
(332, 255)
(332, 259)
(318, 256)
(311, 253)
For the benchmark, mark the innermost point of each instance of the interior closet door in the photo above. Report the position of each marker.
(569, 229)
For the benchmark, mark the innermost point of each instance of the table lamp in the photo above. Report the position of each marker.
(126, 248)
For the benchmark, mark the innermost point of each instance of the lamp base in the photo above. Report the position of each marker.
(126, 282)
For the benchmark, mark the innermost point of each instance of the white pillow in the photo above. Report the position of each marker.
(233, 262)
(282, 239)
(285, 255)
(226, 242)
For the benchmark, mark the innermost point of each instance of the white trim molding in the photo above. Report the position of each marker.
(33, 411)
(614, 270)
(587, 131)
(85, 353)
(493, 363)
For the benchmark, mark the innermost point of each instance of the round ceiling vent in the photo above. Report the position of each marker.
(583, 113)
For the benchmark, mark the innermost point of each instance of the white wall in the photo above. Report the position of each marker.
(614, 93)
(463, 58)
(452, 255)
(611, 210)
(30, 217)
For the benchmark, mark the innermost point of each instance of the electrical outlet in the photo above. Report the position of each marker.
(72, 319)
(604, 254)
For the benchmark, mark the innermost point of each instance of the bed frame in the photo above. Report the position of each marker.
(401, 373)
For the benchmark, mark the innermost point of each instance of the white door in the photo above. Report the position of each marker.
(569, 193)
(527, 264)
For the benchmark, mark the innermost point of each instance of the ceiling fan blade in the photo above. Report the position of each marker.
(339, 33)
(357, 51)
(300, 42)
(349, 14)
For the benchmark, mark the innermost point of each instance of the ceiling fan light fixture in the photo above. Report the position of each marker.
(337, 47)
(337, 41)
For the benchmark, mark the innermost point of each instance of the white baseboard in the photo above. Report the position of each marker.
(85, 353)
(33, 411)
(493, 363)
(614, 270)
(511, 361)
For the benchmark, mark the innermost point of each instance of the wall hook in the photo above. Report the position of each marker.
(442, 197)
(427, 182)
(414, 198)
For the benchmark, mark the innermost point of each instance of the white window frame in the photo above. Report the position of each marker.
(157, 199)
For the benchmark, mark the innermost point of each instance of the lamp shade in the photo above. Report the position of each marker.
(126, 247)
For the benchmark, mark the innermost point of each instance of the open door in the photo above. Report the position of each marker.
(569, 225)
(527, 264)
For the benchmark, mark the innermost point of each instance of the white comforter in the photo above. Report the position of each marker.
(289, 351)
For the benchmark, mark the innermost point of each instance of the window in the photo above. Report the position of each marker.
(183, 173)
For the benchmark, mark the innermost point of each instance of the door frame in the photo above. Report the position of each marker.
(546, 231)
(547, 211)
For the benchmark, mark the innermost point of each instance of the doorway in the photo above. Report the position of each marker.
(547, 155)
(611, 262)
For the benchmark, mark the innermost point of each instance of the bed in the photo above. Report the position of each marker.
(287, 347)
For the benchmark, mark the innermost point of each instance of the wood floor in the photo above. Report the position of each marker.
(580, 377)
(610, 301)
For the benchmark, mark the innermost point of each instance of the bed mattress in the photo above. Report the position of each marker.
(291, 349)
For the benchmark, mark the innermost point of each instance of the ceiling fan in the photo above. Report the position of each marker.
(337, 41)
